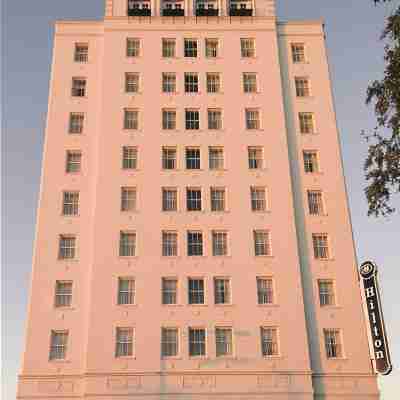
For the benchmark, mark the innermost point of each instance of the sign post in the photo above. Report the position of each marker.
(368, 273)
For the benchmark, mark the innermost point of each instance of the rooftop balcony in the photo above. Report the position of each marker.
(173, 9)
(207, 8)
(139, 8)
(241, 8)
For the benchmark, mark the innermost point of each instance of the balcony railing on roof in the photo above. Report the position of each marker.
(173, 12)
(139, 8)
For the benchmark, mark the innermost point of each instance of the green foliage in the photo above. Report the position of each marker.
(382, 165)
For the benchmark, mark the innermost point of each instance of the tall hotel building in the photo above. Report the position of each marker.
(193, 234)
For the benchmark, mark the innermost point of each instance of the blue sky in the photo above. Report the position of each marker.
(355, 54)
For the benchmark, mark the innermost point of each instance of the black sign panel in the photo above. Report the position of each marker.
(368, 273)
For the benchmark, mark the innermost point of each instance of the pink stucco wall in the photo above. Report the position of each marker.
(301, 371)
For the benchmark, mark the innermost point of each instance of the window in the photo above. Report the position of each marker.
(73, 162)
(223, 341)
(216, 157)
(192, 119)
(197, 342)
(195, 243)
(196, 290)
(128, 198)
(306, 120)
(169, 244)
(169, 291)
(63, 295)
(269, 342)
(131, 82)
(258, 199)
(129, 157)
(78, 87)
(214, 118)
(298, 54)
(170, 199)
(127, 244)
(169, 158)
(126, 291)
(222, 290)
(302, 87)
(132, 47)
(252, 118)
(217, 199)
(124, 342)
(58, 345)
(320, 244)
(191, 82)
(265, 291)
(192, 158)
(211, 48)
(247, 46)
(256, 157)
(326, 292)
(76, 122)
(250, 82)
(315, 203)
(169, 119)
(169, 82)
(190, 47)
(333, 343)
(81, 52)
(168, 47)
(70, 203)
(220, 243)
(67, 247)
(193, 199)
(131, 119)
(310, 161)
(213, 82)
(169, 342)
(262, 245)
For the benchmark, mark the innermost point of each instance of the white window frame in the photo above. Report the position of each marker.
(247, 47)
(201, 343)
(213, 82)
(127, 243)
(67, 247)
(132, 82)
(168, 293)
(168, 51)
(70, 205)
(253, 118)
(190, 51)
(333, 340)
(133, 47)
(220, 245)
(262, 249)
(169, 243)
(58, 348)
(326, 292)
(195, 295)
(63, 293)
(222, 293)
(171, 201)
(321, 250)
(270, 347)
(265, 293)
(229, 345)
(126, 296)
(216, 158)
(124, 345)
(73, 166)
(76, 123)
(129, 157)
(128, 198)
(174, 344)
(214, 190)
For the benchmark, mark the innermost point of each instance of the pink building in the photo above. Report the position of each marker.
(193, 234)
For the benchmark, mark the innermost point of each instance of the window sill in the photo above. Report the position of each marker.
(197, 305)
(133, 93)
(305, 134)
(248, 58)
(222, 257)
(337, 359)
(225, 305)
(126, 305)
(79, 97)
(263, 256)
(261, 212)
(128, 257)
(170, 93)
(277, 357)
(171, 130)
(66, 216)
(64, 308)
(60, 361)
(259, 130)
(305, 98)
(172, 305)
(170, 58)
(314, 216)
(324, 259)
(125, 358)
(331, 307)
(272, 305)
(166, 358)
(67, 260)
(129, 212)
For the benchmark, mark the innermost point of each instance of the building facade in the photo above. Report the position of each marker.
(193, 234)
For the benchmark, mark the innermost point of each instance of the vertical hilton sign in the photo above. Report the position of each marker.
(368, 273)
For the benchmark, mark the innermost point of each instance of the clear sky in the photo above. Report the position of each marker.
(352, 27)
